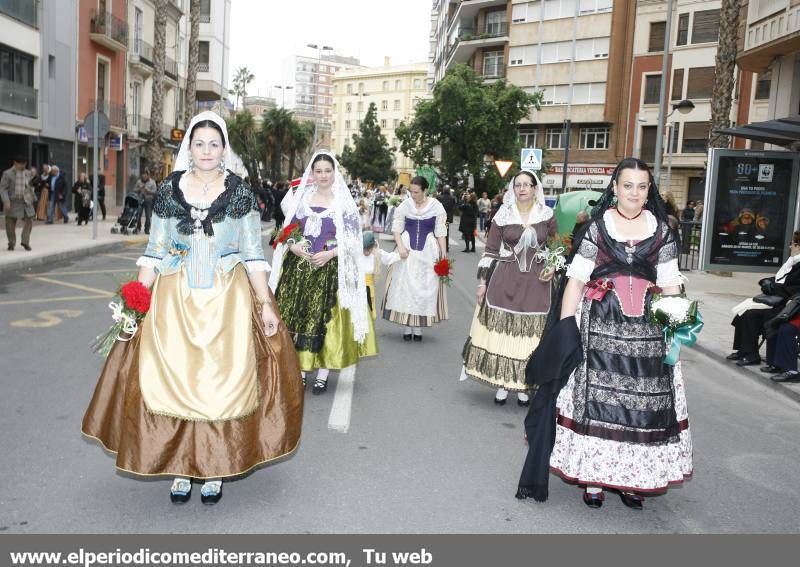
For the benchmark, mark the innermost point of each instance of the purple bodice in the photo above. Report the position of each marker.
(418, 231)
(326, 234)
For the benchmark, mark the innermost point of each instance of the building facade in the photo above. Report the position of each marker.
(38, 50)
(214, 55)
(394, 90)
(313, 91)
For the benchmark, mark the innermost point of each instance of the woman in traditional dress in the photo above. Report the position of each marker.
(414, 296)
(209, 386)
(319, 281)
(621, 419)
(513, 291)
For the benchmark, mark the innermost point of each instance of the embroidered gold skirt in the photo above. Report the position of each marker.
(200, 391)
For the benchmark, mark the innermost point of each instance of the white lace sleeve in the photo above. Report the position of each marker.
(668, 274)
(582, 264)
(440, 231)
(399, 222)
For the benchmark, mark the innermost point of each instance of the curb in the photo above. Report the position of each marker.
(17, 266)
(779, 388)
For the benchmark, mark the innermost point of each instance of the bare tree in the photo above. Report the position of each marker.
(725, 73)
(155, 145)
(194, 52)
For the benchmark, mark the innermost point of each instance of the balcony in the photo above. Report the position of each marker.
(171, 69)
(467, 10)
(25, 11)
(141, 57)
(109, 31)
(776, 36)
(115, 112)
(468, 41)
(18, 99)
(203, 67)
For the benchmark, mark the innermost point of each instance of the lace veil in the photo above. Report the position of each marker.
(230, 160)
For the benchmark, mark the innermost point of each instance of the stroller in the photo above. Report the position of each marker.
(131, 213)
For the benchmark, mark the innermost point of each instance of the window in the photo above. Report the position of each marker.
(652, 88)
(203, 55)
(554, 137)
(348, 107)
(417, 83)
(396, 122)
(397, 85)
(594, 138)
(102, 75)
(361, 88)
(677, 84)
(347, 125)
(385, 86)
(383, 123)
(528, 137)
(595, 6)
(360, 106)
(557, 51)
(657, 30)
(335, 106)
(397, 104)
(384, 105)
(205, 11)
(695, 137)
(683, 30)
(705, 27)
(647, 150)
(700, 82)
(51, 66)
(358, 123)
(496, 23)
(493, 63)
(594, 48)
(349, 88)
(524, 55)
(763, 84)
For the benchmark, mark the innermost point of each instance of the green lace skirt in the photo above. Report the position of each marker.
(322, 331)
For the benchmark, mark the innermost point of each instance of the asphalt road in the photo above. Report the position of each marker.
(420, 452)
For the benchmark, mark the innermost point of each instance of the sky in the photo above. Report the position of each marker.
(267, 34)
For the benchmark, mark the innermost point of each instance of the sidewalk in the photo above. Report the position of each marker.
(56, 242)
(718, 294)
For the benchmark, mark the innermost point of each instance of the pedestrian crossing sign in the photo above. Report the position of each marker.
(531, 159)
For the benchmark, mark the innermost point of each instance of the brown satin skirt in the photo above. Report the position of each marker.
(149, 444)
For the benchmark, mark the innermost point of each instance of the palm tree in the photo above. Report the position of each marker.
(194, 57)
(155, 144)
(725, 73)
(275, 135)
(300, 135)
(243, 136)
(240, 81)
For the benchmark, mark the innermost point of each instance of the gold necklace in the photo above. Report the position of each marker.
(205, 185)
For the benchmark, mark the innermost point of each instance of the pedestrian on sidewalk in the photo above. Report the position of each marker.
(414, 296)
(318, 278)
(484, 206)
(42, 186)
(17, 195)
(82, 191)
(146, 190)
(449, 204)
(751, 315)
(621, 419)
(513, 295)
(58, 195)
(101, 192)
(208, 387)
(469, 220)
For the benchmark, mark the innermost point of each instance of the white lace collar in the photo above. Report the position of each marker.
(611, 228)
(509, 214)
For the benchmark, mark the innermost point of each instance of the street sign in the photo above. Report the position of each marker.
(531, 159)
(115, 142)
(103, 125)
(502, 166)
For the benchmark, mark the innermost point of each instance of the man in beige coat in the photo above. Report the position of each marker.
(18, 199)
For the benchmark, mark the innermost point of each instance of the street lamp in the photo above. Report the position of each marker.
(684, 107)
(283, 88)
(319, 49)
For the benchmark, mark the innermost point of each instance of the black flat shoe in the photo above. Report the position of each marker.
(320, 387)
(407, 338)
(27, 247)
(631, 500)
(734, 356)
(500, 402)
(789, 376)
(769, 369)
(417, 338)
(593, 500)
(749, 360)
(523, 403)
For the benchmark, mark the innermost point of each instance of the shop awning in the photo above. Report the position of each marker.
(780, 132)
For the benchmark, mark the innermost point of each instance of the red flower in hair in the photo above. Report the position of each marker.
(136, 296)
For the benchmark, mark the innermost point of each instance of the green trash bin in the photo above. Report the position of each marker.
(570, 204)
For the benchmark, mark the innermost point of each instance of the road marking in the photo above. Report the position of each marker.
(76, 286)
(339, 419)
(81, 273)
(53, 299)
(47, 318)
(123, 256)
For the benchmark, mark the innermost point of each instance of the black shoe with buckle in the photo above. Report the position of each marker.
(631, 500)
(749, 360)
(320, 387)
(736, 355)
(593, 499)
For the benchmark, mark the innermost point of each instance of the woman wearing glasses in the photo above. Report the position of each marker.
(513, 291)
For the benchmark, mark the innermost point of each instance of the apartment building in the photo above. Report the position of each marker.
(38, 82)
(395, 91)
(214, 55)
(313, 90)
(576, 52)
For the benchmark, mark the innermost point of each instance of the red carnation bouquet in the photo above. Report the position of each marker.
(289, 232)
(133, 303)
(444, 269)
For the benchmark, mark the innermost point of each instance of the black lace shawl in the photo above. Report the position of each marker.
(234, 202)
